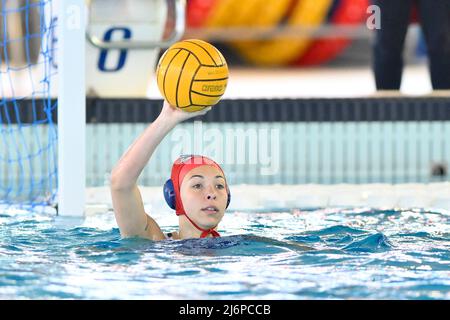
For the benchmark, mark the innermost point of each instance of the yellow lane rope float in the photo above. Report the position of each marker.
(238, 17)
(280, 51)
(260, 13)
(263, 13)
(220, 14)
(237, 13)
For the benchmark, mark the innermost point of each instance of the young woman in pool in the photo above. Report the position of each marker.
(197, 190)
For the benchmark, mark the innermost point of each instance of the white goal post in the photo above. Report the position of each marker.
(71, 108)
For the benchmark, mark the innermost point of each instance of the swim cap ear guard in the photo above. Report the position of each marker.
(169, 194)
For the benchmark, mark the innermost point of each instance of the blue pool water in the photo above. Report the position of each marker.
(292, 254)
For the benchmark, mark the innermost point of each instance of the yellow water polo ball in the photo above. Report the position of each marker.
(192, 75)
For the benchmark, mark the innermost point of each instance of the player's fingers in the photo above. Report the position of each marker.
(201, 112)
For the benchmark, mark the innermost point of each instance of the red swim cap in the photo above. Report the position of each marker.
(180, 168)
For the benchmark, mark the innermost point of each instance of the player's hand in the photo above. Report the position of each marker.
(173, 114)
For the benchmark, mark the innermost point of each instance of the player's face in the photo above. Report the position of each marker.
(204, 195)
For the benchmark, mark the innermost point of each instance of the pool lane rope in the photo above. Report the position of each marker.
(281, 51)
(249, 13)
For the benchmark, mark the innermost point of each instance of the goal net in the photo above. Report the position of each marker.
(28, 135)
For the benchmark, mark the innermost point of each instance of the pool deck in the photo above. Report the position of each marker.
(247, 83)
(432, 196)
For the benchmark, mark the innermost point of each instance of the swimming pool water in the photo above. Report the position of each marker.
(355, 253)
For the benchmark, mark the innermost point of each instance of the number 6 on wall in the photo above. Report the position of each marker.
(123, 52)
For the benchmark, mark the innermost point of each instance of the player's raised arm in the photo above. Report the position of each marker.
(192, 75)
(126, 198)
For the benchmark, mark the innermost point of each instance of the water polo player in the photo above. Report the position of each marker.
(197, 189)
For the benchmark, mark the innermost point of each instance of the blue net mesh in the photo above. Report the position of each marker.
(28, 136)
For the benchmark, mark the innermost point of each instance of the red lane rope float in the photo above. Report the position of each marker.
(281, 51)
(197, 12)
(349, 12)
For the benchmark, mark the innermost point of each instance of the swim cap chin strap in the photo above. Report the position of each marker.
(205, 232)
